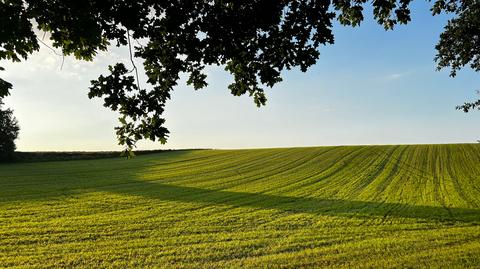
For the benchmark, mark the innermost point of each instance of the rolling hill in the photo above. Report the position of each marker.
(346, 206)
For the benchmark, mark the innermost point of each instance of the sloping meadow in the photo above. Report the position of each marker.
(361, 206)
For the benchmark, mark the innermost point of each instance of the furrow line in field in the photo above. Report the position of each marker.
(370, 168)
(384, 182)
(282, 170)
(205, 174)
(458, 184)
(332, 168)
(344, 183)
(256, 167)
(216, 165)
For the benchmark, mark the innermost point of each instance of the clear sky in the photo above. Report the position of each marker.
(370, 87)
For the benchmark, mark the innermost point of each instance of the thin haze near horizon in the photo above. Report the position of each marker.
(370, 87)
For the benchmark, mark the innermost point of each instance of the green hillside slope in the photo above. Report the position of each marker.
(363, 206)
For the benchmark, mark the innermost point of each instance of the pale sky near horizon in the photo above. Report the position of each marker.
(370, 87)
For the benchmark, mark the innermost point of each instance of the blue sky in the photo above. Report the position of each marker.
(370, 87)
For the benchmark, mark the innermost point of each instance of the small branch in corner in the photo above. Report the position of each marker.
(131, 59)
(53, 50)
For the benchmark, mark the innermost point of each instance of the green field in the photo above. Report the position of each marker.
(359, 206)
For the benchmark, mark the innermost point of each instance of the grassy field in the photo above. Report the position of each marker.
(362, 206)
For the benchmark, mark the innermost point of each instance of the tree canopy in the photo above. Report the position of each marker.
(255, 40)
(8, 133)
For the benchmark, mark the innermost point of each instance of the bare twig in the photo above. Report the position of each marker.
(54, 51)
(131, 59)
(63, 61)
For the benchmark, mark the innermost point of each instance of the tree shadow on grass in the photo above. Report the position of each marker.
(317, 206)
(310, 205)
(16, 190)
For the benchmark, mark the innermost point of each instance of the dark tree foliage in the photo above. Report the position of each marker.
(255, 40)
(8, 133)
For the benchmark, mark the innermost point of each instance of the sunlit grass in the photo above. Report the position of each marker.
(372, 206)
